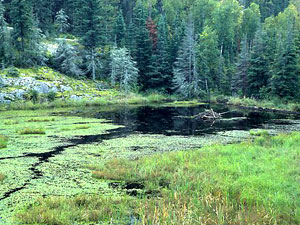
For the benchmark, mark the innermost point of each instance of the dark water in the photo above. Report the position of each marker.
(179, 121)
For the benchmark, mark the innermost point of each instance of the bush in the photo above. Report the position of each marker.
(51, 96)
(33, 95)
(13, 72)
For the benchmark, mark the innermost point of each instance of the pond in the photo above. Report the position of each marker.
(56, 164)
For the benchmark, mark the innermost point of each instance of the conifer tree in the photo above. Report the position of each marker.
(67, 60)
(61, 21)
(120, 30)
(89, 30)
(186, 77)
(285, 81)
(143, 48)
(25, 34)
(160, 74)
(4, 39)
(240, 80)
(258, 75)
(123, 69)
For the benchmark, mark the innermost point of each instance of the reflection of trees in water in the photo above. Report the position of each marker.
(178, 121)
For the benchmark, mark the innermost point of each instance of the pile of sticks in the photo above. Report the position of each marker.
(208, 115)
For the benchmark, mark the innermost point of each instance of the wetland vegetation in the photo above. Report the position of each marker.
(149, 165)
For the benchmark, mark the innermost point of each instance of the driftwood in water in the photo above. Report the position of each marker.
(208, 115)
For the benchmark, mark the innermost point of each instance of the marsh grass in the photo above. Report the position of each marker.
(248, 183)
(256, 182)
(10, 122)
(31, 130)
(2, 177)
(270, 104)
(79, 127)
(258, 133)
(34, 120)
(3, 141)
(87, 209)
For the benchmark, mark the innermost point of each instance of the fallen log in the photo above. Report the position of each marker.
(208, 115)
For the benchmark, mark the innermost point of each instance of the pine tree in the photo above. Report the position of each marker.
(186, 77)
(89, 30)
(285, 81)
(4, 39)
(25, 35)
(258, 75)
(160, 76)
(67, 60)
(142, 50)
(240, 80)
(61, 21)
(123, 69)
(120, 30)
(42, 9)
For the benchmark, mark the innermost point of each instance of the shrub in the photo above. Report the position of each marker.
(13, 72)
(28, 130)
(3, 141)
(33, 95)
(51, 96)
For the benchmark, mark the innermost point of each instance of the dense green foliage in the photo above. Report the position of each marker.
(244, 48)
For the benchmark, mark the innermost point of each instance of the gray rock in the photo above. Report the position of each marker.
(53, 89)
(65, 88)
(43, 88)
(19, 93)
(75, 98)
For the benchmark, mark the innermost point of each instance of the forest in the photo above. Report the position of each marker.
(188, 47)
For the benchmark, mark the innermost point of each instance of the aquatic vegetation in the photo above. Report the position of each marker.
(3, 141)
(32, 130)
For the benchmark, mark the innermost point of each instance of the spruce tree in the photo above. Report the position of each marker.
(89, 30)
(258, 75)
(186, 77)
(160, 76)
(285, 81)
(240, 79)
(67, 60)
(4, 39)
(143, 48)
(61, 21)
(120, 30)
(25, 35)
(123, 69)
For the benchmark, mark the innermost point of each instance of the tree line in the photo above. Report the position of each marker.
(189, 47)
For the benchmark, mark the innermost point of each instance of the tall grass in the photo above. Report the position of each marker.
(3, 141)
(2, 177)
(254, 182)
(31, 130)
